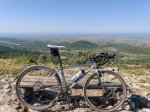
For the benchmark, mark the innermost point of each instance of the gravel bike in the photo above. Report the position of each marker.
(104, 90)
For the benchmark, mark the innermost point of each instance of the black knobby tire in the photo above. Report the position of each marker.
(23, 100)
(89, 101)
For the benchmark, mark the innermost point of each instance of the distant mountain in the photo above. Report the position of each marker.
(105, 36)
(82, 45)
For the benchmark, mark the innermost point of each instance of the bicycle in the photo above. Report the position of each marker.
(104, 90)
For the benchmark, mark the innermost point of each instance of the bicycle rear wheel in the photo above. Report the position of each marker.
(106, 96)
(38, 87)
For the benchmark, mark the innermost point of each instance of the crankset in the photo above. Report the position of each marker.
(65, 97)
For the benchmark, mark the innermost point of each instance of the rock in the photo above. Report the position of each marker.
(6, 91)
(1, 85)
(135, 86)
(1, 100)
(148, 104)
(8, 98)
(30, 110)
(132, 105)
(82, 110)
(129, 94)
(4, 80)
(13, 84)
(140, 102)
(11, 80)
(148, 95)
(129, 105)
(145, 110)
(82, 104)
(7, 108)
(146, 84)
(7, 86)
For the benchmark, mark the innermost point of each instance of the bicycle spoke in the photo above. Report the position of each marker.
(28, 94)
(49, 75)
(38, 87)
(105, 98)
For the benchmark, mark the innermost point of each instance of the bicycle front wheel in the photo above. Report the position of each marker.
(38, 87)
(106, 94)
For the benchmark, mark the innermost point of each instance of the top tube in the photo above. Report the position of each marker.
(76, 65)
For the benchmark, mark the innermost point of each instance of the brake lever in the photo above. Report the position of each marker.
(112, 61)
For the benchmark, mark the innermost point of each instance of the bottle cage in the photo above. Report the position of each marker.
(54, 52)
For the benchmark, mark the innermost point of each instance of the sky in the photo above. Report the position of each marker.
(74, 16)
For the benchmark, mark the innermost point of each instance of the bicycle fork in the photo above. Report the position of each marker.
(99, 75)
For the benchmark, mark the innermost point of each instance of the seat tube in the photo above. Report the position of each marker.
(63, 77)
(62, 71)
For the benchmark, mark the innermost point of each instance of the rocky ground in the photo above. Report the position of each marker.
(138, 97)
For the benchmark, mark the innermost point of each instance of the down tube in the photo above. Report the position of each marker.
(82, 76)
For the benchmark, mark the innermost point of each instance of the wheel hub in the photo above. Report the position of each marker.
(38, 85)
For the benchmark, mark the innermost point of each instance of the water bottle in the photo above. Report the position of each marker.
(78, 75)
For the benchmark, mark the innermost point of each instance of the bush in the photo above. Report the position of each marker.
(47, 58)
(9, 66)
(25, 60)
(147, 66)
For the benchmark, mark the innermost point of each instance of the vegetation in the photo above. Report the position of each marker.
(13, 58)
(9, 66)
(147, 80)
(82, 45)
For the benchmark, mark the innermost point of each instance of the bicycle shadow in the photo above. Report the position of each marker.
(135, 103)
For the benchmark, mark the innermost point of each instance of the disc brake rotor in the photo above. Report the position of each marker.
(37, 86)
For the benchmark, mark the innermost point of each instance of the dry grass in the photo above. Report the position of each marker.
(137, 71)
(146, 88)
(9, 66)
(147, 80)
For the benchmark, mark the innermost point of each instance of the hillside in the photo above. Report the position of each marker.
(127, 52)
(82, 44)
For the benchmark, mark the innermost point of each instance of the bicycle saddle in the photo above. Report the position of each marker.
(55, 46)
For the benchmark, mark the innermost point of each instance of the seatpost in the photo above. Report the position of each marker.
(59, 59)
(56, 54)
